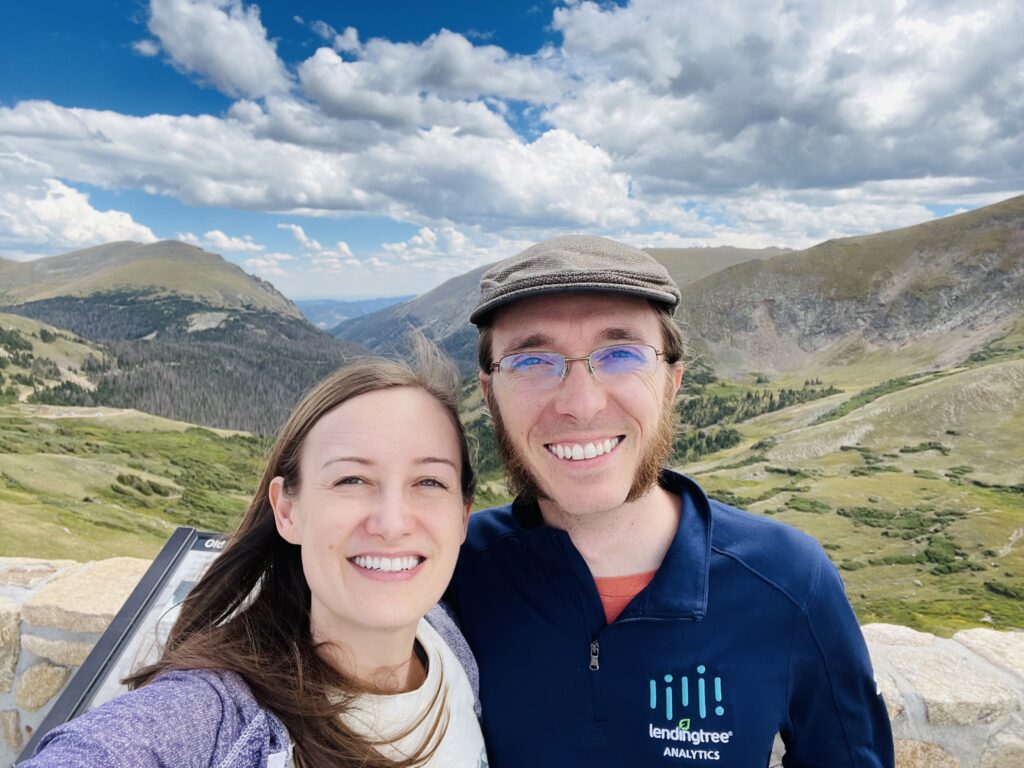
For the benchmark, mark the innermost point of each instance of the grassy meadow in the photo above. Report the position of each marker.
(912, 481)
(915, 489)
(87, 483)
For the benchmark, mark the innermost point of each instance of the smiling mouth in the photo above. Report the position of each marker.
(386, 564)
(583, 451)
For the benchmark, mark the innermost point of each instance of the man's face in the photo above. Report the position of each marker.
(632, 415)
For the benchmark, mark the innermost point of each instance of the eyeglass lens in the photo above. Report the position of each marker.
(608, 362)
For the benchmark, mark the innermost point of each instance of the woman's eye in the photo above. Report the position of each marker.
(433, 482)
(351, 480)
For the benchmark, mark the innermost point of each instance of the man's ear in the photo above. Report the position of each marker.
(284, 512)
(677, 378)
(485, 384)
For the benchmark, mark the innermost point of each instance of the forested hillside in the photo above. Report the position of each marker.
(238, 356)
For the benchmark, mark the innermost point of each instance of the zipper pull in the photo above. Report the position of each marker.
(595, 649)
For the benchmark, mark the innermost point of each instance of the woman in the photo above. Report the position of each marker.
(304, 643)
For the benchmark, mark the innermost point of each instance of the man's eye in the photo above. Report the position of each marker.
(622, 353)
(528, 361)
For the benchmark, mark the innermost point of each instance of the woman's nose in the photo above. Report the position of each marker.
(391, 518)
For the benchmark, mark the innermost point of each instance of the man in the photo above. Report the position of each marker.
(619, 616)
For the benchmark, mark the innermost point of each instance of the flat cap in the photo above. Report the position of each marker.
(574, 263)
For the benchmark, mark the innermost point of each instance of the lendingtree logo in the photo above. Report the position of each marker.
(682, 691)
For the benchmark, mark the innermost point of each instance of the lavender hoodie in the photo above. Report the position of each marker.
(192, 719)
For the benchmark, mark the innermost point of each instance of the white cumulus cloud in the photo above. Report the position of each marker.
(450, 250)
(699, 122)
(269, 264)
(215, 240)
(301, 237)
(55, 216)
(715, 97)
(147, 48)
(222, 41)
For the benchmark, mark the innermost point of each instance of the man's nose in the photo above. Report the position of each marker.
(391, 518)
(580, 395)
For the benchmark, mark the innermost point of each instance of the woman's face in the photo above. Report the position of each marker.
(379, 513)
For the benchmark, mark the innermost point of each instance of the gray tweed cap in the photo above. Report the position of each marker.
(574, 263)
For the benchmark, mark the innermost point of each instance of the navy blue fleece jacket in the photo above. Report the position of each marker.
(744, 632)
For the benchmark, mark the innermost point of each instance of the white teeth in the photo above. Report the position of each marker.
(577, 452)
(386, 564)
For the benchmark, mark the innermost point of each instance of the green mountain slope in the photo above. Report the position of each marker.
(33, 354)
(915, 488)
(932, 294)
(175, 331)
(87, 483)
(159, 268)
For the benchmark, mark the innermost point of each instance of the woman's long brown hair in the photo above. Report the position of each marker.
(249, 613)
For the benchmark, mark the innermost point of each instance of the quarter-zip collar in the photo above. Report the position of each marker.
(679, 589)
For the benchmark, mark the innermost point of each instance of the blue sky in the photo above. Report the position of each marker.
(367, 149)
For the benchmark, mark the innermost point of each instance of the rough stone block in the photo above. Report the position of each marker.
(955, 690)
(10, 616)
(1004, 649)
(38, 684)
(921, 754)
(67, 653)
(891, 694)
(10, 728)
(87, 599)
(28, 573)
(893, 634)
(1004, 750)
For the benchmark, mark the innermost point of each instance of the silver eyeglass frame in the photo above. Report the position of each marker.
(496, 365)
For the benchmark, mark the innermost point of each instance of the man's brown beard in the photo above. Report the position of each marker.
(523, 485)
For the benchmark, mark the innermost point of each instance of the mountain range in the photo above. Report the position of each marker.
(868, 390)
(184, 334)
(928, 294)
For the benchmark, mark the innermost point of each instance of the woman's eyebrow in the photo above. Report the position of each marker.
(354, 459)
(370, 463)
(437, 460)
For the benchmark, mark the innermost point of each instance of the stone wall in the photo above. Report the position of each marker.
(954, 703)
(51, 615)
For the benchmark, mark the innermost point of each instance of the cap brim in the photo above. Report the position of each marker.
(481, 315)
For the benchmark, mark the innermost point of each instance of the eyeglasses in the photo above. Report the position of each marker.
(608, 365)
